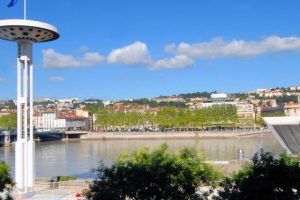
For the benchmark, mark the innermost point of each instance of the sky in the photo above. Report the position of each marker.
(117, 49)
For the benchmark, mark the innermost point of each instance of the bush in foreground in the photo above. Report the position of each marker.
(6, 181)
(153, 175)
(266, 178)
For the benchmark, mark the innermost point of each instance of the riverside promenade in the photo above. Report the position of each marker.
(169, 135)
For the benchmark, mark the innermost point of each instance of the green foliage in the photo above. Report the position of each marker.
(153, 104)
(6, 181)
(63, 178)
(274, 114)
(266, 178)
(196, 94)
(94, 108)
(153, 175)
(171, 117)
(8, 122)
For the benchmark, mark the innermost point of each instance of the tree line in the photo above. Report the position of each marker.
(172, 117)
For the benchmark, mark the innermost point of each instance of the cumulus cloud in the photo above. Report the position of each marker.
(53, 59)
(178, 55)
(218, 48)
(179, 61)
(170, 48)
(56, 78)
(131, 55)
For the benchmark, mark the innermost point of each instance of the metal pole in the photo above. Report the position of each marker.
(25, 95)
(19, 106)
(25, 9)
(31, 101)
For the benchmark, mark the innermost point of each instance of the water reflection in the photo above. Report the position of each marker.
(78, 157)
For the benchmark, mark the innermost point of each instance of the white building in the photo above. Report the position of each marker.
(292, 109)
(245, 109)
(48, 122)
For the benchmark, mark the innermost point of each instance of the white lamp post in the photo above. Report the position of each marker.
(25, 33)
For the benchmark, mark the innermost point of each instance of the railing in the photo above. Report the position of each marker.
(61, 190)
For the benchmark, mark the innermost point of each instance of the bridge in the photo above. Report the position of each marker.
(74, 134)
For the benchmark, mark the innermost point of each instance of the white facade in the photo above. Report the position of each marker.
(219, 95)
(245, 109)
(48, 122)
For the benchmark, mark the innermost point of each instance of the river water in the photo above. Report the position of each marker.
(77, 158)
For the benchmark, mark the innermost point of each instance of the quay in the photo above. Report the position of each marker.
(88, 135)
(8, 138)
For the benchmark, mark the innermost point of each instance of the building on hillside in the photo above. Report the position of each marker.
(197, 99)
(264, 102)
(245, 109)
(294, 88)
(82, 113)
(271, 93)
(291, 109)
(131, 108)
(293, 94)
(168, 99)
(219, 96)
(217, 99)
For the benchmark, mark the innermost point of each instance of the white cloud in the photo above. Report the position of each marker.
(56, 78)
(218, 48)
(53, 59)
(131, 55)
(180, 56)
(90, 59)
(179, 61)
(2, 79)
(170, 48)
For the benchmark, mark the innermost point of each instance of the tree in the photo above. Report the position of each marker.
(6, 181)
(266, 178)
(8, 122)
(153, 175)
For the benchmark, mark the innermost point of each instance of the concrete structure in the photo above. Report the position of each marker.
(287, 132)
(25, 33)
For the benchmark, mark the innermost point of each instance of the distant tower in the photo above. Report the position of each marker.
(25, 33)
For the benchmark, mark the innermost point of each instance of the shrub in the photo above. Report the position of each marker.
(6, 181)
(153, 175)
(266, 178)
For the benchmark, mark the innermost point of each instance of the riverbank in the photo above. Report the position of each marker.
(168, 135)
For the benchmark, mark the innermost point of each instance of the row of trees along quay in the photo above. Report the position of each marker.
(181, 119)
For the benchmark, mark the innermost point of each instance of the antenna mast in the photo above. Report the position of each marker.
(25, 9)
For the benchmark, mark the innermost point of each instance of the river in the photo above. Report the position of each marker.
(77, 158)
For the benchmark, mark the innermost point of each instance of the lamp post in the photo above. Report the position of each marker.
(25, 33)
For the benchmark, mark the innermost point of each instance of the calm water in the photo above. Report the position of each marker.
(78, 157)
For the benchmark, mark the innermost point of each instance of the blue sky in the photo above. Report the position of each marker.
(115, 49)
